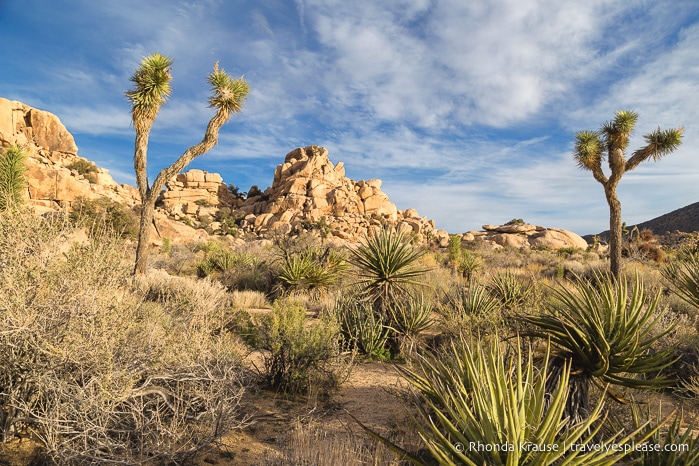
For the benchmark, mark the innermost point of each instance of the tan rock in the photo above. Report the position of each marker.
(557, 239)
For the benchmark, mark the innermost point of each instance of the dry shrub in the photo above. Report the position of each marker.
(95, 371)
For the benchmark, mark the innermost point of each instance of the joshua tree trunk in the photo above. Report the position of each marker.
(614, 232)
(147, 211)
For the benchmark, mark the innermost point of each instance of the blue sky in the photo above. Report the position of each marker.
(466, 109)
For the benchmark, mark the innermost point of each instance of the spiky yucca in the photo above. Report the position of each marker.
(12, 180)
(388, 266)
(606, 334)
(683, 276)
(481, 405)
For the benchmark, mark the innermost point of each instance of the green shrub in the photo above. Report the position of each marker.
(299, 357)
(361, 327)
(85, 168)
(102, 211)
(12, 177)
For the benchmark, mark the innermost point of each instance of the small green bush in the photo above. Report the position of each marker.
(102, 211)
(299, 357)
(362, 327)
(82, 166)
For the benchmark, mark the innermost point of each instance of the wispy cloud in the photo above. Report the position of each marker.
(466, 109)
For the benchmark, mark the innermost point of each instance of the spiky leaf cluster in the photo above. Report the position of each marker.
(228, 94)
(606, 332)
(477, 395)
(388, 266)
(152, 86)
(683, 276)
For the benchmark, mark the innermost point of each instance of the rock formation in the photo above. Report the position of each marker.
(525, 235)
(52, 183)
(51, 151)
(307, 192)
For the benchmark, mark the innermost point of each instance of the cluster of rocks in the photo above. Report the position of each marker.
(196, 193)
(307, 192)
(526, 235)
(51, 151)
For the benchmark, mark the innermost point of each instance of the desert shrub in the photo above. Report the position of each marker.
(362, 328)
(299, 358)
(12, 177)
(475, 399)
(92, 367)
(229, 220)
(85, 168)
(82, 166)
(95, 213)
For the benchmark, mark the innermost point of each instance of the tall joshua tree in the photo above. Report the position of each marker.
(151, 90)
(613, 139)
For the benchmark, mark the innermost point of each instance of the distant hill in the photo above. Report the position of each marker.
(685, 219)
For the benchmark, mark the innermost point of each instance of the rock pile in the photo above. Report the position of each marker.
(308, 192)
(525, 235)
(51, 152)
(196, 193)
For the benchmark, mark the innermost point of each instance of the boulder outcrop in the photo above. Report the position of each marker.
(308, 192)
(525, 235)
(52, 182)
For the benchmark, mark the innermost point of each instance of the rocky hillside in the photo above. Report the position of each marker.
(685, 220)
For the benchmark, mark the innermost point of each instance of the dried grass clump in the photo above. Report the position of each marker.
(93, 368)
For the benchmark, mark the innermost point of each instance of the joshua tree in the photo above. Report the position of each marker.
(152, 87)
(613, 138)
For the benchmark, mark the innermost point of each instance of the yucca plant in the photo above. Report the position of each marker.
(606, 334)
(387, 267)
(471, 307)
(409, 318)
(683, 276)
(12, 181)
(510, 289)
(481, 405)
(309, 269)
(675, 444)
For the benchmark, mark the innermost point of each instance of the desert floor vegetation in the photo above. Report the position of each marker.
(298, 351)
